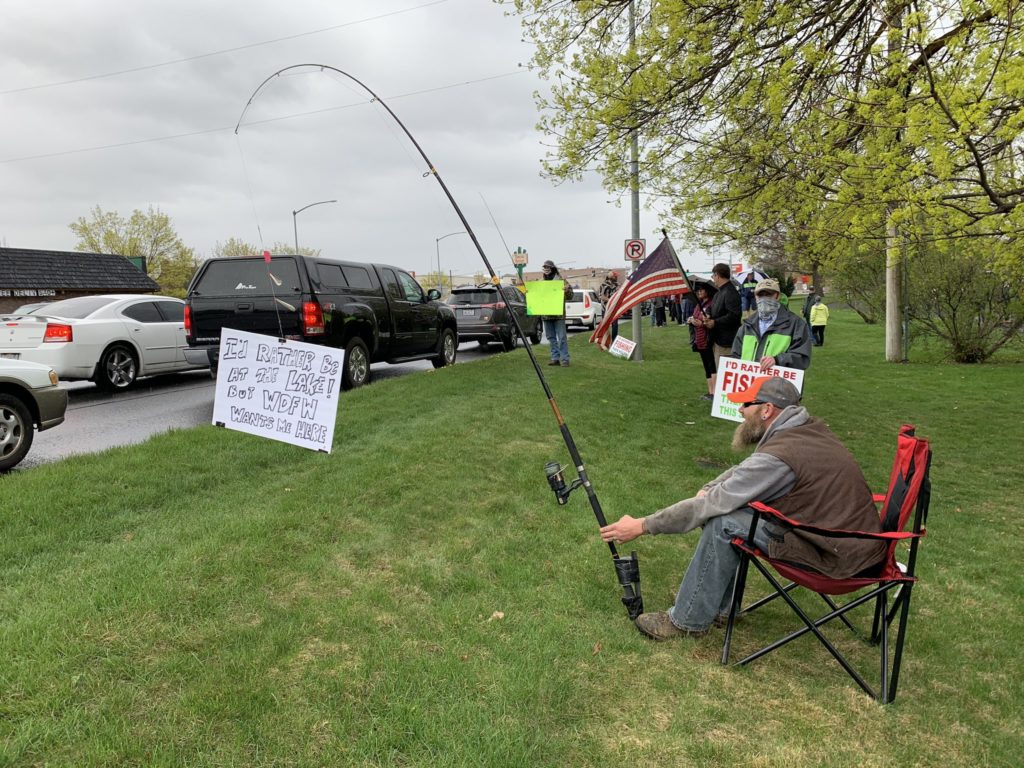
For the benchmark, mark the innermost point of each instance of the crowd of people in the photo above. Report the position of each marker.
(749, 322)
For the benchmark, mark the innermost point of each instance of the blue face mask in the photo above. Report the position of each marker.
(767, 307)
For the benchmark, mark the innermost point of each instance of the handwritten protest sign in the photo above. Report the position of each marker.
(736, 375)
(285, 391)
(545, 297)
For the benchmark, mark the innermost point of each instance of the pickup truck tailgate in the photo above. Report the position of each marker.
(247, 294)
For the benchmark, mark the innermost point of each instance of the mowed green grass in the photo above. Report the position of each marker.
(417, 597)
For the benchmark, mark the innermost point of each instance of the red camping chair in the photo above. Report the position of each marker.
(909, 491)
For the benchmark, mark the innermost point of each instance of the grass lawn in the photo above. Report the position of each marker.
(417, 598)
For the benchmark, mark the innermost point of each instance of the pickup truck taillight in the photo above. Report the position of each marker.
(312, 319)
(58, 332)
(188, 322)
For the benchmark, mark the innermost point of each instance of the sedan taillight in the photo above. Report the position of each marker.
(312, 319)
(58, 332)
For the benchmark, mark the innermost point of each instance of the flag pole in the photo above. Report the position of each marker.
(627, 569)
(679, 266)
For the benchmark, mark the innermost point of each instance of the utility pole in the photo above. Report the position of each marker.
(894, 266)
(634, 193)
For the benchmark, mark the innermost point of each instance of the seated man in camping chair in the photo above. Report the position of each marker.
(799, 467)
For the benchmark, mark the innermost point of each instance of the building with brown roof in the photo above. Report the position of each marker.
(29, 276)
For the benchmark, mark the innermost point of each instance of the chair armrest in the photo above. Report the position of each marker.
(838, 533)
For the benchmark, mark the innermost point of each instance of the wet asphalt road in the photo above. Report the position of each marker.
(97, 420)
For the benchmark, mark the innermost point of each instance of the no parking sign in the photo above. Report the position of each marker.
(636, 250)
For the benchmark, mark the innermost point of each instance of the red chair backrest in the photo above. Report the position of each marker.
(908, 482)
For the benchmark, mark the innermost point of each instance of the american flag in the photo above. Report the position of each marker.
(658, 275)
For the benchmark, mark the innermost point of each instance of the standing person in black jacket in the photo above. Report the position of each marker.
(725, 314)
(606, 291)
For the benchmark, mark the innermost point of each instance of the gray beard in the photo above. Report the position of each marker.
(748, 433)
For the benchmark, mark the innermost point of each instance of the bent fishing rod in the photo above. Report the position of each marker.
(627, 569)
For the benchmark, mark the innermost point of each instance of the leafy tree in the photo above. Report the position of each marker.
(235, 247)
(956, 296)
(151, 235)
(847, 120)
(860, 282)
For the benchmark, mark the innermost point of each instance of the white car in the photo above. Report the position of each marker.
(111, 339)
(29, 396)
(585, 309)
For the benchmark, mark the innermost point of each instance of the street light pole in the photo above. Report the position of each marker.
(437, 248)
(295, 223)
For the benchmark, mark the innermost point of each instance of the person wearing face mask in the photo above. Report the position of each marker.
(554, 325)
(773, 335)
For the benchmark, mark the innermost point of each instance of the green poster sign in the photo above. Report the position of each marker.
(545, 297)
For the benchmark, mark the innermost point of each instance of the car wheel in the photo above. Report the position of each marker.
(446, 347)
(508, 341)
(118, 368)
(535, 336)
(357, 364)
(16, 431)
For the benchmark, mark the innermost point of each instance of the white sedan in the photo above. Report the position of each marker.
(110, 339)
(585, 308)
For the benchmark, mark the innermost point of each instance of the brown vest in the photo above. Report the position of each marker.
(831, 492)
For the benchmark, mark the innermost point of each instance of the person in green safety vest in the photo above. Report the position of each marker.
(773, 335)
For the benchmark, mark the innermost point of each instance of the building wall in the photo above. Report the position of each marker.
(12, 298)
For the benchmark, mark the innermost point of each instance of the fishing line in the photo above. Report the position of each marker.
(494, 221)
(248, 189)
(259, 231)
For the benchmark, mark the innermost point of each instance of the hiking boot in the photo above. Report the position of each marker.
(659, 626)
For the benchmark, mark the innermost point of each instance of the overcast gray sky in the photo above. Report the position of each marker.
(132, 103)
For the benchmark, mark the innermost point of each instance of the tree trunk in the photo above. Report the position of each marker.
(893, 271)
(893, 311)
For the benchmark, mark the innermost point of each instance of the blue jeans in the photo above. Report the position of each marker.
(706, 590)
(558, 338)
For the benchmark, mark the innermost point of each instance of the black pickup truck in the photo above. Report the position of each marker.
(375, 312)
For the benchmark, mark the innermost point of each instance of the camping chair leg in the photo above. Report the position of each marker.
(897, 656)
(811, 626)
(768, 598)
(880, 618)
(835, 608)
(738, 585)
(884, 680)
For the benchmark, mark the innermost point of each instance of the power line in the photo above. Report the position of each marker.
(292, 116)
(146, 67)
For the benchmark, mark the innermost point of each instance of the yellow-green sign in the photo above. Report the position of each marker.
(545, 297)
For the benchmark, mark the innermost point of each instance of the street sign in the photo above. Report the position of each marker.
(519, 258)
(636, 250)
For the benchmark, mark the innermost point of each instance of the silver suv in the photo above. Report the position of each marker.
(484, 315)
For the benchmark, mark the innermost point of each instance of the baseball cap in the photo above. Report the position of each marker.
(768, 389)
(768, 285)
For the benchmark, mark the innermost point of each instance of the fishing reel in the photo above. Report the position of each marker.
(556, 479)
